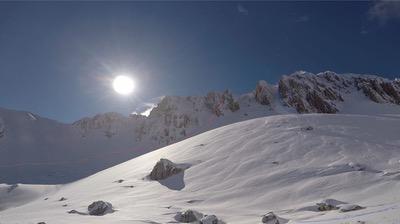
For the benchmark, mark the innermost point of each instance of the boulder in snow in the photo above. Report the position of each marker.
(270, 218)
(100, 208)
(188, 216)
(209, 219)
(356, 166)
(329, 204)
(164, 169)
(349, 207)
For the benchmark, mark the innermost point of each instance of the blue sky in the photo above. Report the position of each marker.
(57, 59)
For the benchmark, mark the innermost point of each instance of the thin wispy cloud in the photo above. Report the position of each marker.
(242, 10)
(384, 11)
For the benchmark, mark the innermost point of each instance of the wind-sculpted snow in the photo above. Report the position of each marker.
(245, 170)
(37, 150)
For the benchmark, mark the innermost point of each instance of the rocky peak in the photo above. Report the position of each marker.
(263, 93)
(378, 89)
(320, 93)
(309, 93)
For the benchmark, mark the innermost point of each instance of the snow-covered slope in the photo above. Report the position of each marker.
(284, 163)
(38, 150)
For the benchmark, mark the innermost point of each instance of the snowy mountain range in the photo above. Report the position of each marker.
(36, 150)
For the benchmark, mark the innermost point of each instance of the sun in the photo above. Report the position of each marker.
(123, 85)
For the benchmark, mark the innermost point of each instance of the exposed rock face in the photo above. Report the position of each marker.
(164, 169)
(379, 90)
(309, 93)
(100, 208)
(188, 216)
(320, 93)
(263, 93)
(270, 218)
(218, 102)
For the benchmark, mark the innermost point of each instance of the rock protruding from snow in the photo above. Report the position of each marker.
(309, 93)
(263, 93)
(329, 204)
(100, 208)
(163, 169)
(356, 166)
(322, 92)
(209, 219)
(188, 216)
(220, 102)
(349, 207)
(270, 218)
(379, 90)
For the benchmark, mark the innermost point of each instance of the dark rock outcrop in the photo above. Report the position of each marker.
(163, 169)
(309, 93)
(209, 219)
(99, 208)
(270, 218)
(219, 102)
(263, 93)
(320, 93)
(188, 216)
(378, 89)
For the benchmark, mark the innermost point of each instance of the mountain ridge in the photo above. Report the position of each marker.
(66, 152)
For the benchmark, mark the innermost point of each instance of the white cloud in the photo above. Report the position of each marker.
(383, 11)
(242, 10)
(146, 107)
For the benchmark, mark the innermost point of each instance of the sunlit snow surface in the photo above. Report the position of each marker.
(244, 170)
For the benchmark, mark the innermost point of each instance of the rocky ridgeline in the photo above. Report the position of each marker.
(321, 93)
(176, 117)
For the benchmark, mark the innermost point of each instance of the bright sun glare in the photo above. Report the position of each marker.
(123, 85)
